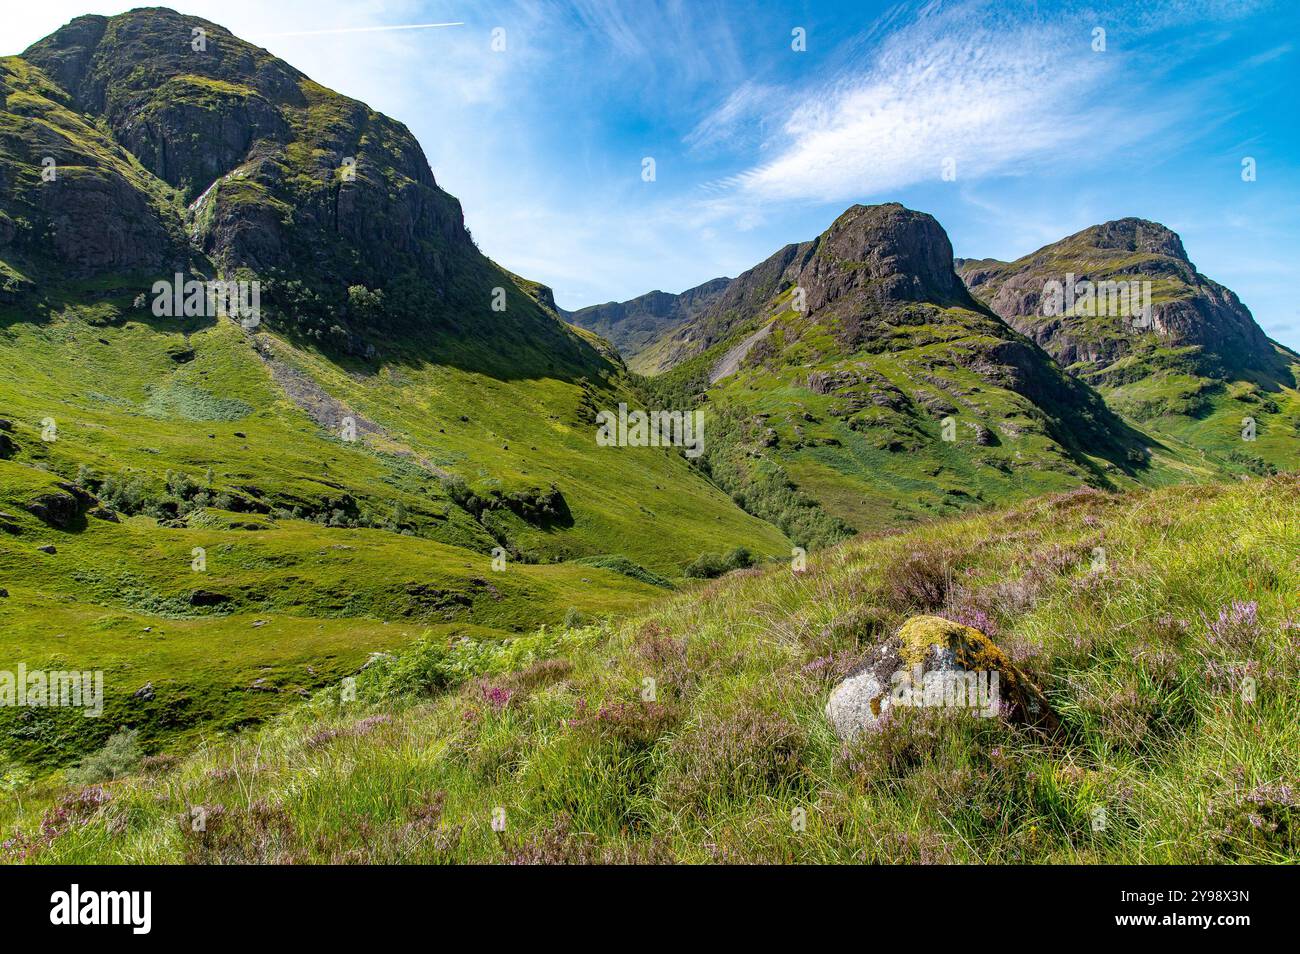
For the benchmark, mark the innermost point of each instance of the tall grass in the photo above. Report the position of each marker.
(1163, 628)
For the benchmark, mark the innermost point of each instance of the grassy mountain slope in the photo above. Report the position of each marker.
(1120, 607)
(279, 608)
(1201, 367)
(130, 420)
(841, 406)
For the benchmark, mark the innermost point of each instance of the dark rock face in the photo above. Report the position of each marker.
(88, 212)
(68, 52)
(99, 221)
(886, 253)
(545, 296)
(184, 132)
(62, 508)
(249, 134)
(1136, 235)
(56, 509)
(208, 598)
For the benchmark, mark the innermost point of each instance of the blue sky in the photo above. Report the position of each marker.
(757, 144)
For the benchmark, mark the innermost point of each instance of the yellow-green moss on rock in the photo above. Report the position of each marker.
(923, 639)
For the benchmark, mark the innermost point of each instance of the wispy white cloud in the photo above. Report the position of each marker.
(1268, 56)
(990, 93)
(684, 40)
(742, 118)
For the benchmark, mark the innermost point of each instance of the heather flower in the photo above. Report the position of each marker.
(817, 666)
(498, 697)
(1170, 629)
(833, 666)
(975, 619)
(364, 727)
(371, 723)
(1236, 630)
(1279, 794)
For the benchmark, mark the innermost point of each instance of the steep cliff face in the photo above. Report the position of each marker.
(73, 202)
(882, 255)
(1188, 310)
(247, 140)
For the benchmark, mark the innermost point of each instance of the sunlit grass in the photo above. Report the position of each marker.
(1111, 603)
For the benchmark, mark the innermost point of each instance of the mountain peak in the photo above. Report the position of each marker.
(180, 145)
(890, 253)
(1190, 311)
(1134, 235)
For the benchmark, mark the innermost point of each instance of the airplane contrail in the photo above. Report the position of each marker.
(369, 29)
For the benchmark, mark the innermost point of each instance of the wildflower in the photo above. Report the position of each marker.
(1237, 628)
(498, 697)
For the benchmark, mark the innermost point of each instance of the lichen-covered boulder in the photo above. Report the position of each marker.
(935, 662)
(862, 697)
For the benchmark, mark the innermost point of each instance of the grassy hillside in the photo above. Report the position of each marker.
(1141, 616)
(280, 608)
(404, 409)
(133, 394)
(1210, 414)
(817, 440)
(320, 550)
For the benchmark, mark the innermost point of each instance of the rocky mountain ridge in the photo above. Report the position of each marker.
(1188, 309)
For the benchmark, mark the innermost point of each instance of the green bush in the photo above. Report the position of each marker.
(433, 665)
(709, 565)
(120, 756)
